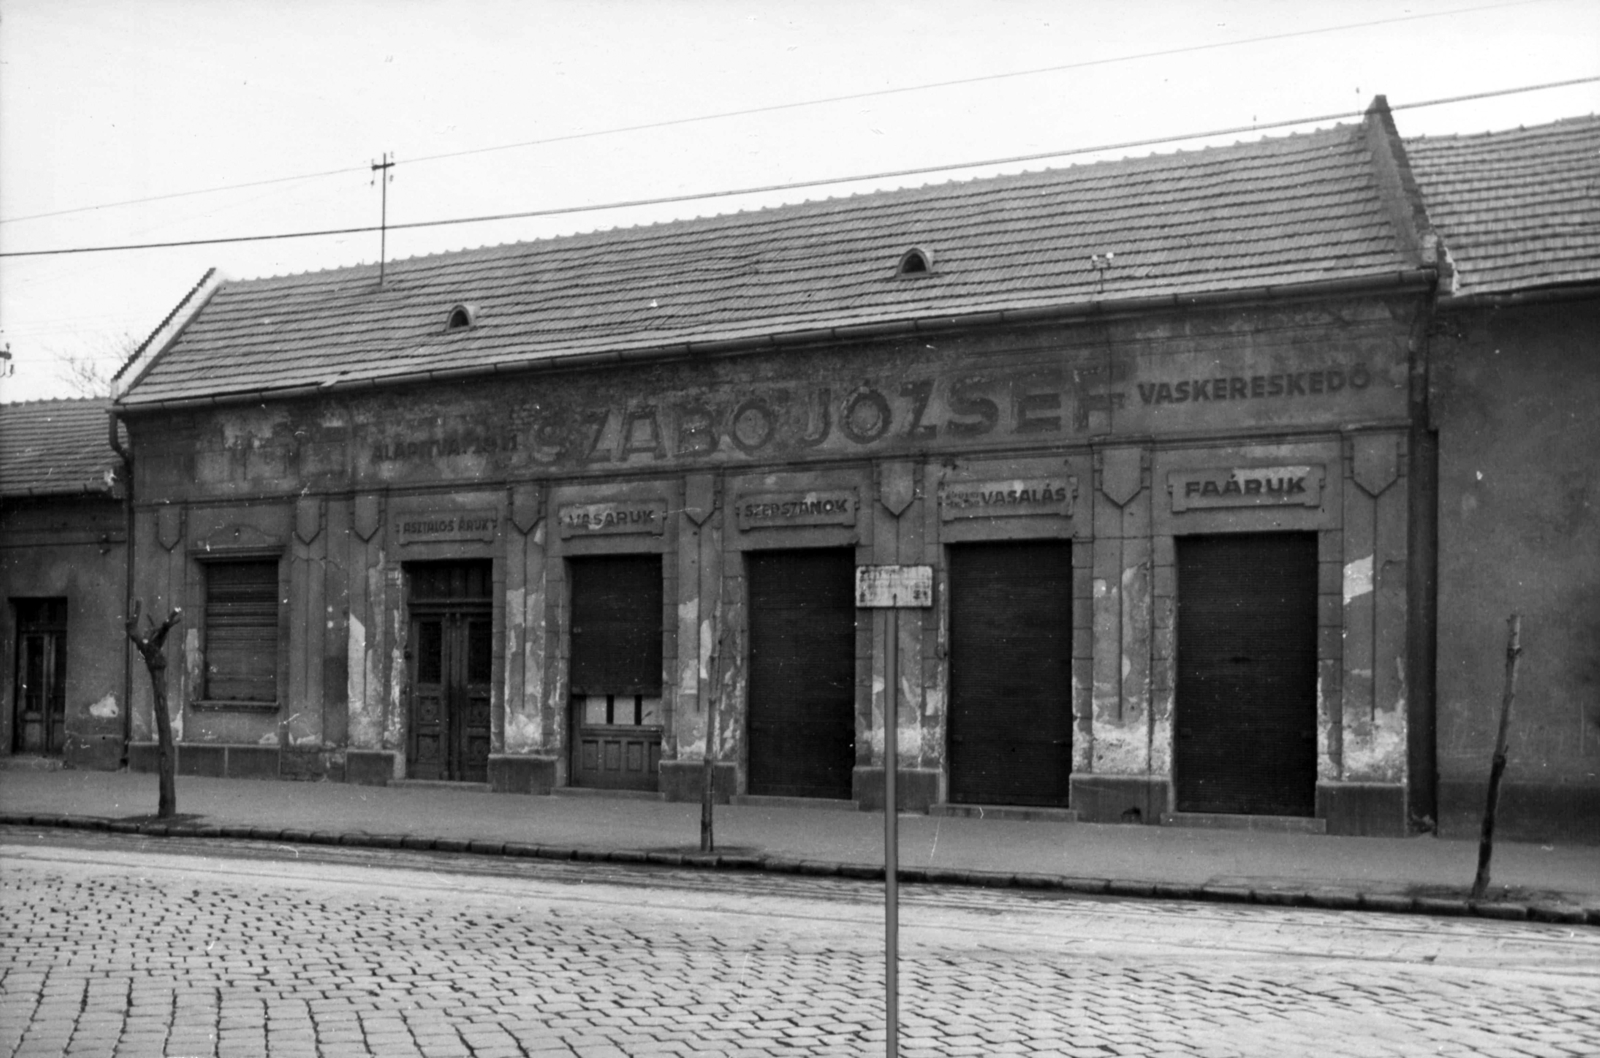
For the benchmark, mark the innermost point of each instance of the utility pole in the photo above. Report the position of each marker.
(382, 168)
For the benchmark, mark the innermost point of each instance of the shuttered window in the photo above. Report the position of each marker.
(241, 633)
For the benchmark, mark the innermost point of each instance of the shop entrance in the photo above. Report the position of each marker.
(802, 672)
(616, 671)
(1010, 714)
(450, 658)
(1245, 715)
(41, 677)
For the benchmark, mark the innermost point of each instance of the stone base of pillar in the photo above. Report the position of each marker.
(522, 773)
(1120, 798)
(1365, 809)
(369, 767)
(916, 789)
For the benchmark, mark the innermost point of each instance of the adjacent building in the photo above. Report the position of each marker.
(63, 573)
(1516, 409)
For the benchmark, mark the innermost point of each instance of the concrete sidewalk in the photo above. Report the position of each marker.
(1420, 875)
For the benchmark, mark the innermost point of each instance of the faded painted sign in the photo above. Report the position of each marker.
(947, 410)
(430, 527)
(988, 499)
(447, 445)
(610, 519)
(1255, 387)
(771, 510)
(1276, 486)
(894, 587)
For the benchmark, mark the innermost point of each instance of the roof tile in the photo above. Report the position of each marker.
(1517, 209)
(55, 448)
(1277, 212)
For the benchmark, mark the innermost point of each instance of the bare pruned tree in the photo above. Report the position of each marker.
(88, 372)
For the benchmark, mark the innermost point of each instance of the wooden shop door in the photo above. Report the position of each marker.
(616, 658)
(41, 677)
(451, 654)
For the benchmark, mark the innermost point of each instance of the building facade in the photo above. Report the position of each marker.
(579, 512)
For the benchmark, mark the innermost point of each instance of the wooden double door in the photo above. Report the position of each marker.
(451, 653)
(41, 677)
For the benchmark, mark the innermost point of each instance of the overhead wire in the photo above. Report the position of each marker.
(775, 107)
(794, 185)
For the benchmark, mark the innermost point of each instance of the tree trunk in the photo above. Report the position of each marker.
(152, 647)
(1497, 767)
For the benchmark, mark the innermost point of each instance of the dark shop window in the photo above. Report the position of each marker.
(241, 633)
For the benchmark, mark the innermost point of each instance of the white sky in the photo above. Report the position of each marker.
(105, 101)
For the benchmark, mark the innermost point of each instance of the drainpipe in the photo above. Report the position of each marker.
(127, 580)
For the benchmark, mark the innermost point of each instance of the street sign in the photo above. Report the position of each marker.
(894, 587)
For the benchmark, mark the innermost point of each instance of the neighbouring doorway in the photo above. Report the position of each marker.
(1010, 712)
(616, 677)
(802, 715)
(1245, 715)
(41, 677)
(450, 654)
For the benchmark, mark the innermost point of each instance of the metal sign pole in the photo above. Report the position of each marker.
(891, 838)
(892, 588)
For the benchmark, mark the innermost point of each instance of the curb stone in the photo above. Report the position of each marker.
(1325, 899)
(1333, 900)
(1227, 894)
(1125, 887)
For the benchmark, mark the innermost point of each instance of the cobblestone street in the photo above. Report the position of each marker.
(126, 947)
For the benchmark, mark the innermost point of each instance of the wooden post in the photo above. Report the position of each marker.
(1480, 884)
(708, 840)
(152, 647)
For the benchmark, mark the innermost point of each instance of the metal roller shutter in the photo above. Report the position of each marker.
(1245, 738)
(616, 624)
(1010, 722)
(242, 631)
(802, 672)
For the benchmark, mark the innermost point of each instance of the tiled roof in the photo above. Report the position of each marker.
(1278, 212)
(1518, 209)
(55, 448)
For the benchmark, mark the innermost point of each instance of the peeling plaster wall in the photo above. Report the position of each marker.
(524, 633)
(1374, 623)
(1515, 393)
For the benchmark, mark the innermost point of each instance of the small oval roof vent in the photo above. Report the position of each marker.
(462, 318)
(916, 261)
